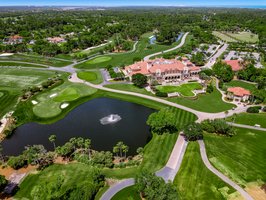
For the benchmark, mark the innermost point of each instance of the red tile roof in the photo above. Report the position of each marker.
(239, 91)
(234, 64)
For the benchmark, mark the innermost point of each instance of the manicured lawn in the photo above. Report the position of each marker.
(143, 48)
(18, 65)
(184, 89)
(91, 76)
(239, 83)
(36, 59)
(49, 102)
(129, 193)
(245, 36)
(205, 102)
(73, 175)
(241, 157)
(223, 36)
(250, 119)
(195, 181)
(99, 60)
(128, 87)
(7, 101)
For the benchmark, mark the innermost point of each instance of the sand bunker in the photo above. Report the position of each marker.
(6, 54)
(64, 105)
(53, 95)
(34, 102)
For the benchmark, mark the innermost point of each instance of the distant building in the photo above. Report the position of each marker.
(235, 64)
(15, 39)
(238, 94)
(164, 71)
(56, 40)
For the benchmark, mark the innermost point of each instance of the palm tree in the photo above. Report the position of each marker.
(115, 150)
(120, 147)
(52, 139)
(125, 149)
(87, 146)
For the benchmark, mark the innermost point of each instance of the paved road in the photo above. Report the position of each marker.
(219, 174)
(247, 126)
(168, 172)
(168, 50)
(212, 60)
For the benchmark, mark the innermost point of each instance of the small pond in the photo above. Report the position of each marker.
(84, 121)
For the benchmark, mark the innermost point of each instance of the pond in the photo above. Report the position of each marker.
(84, 121)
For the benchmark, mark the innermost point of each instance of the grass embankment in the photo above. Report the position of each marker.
(36, 59)
(205, 102)
(129, 193)
(239, 83)
(241, 157)
(184, 89)
(129, 87)
(249, 119)
(94, 77)
(143, 49)
(75, 174)
(195, 181)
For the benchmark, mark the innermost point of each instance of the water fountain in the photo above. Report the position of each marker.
(110, 119)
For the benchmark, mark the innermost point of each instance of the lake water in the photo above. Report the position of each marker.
(84, 121)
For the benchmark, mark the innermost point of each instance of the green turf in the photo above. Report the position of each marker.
(120, 173)
(128, 87)
(143, 49)
(36, 59)
(249, 119)
(74, 174)
(205, 102)
(223, 36)
(241, 157)
(50, 106)
(94, 77)
(245, 37)
(1, 94)
(101, 192)
(195, 181)
(184, 89)
(8, 100)
(18, 65)
(99, 60)
(239, 83)
(128, 193)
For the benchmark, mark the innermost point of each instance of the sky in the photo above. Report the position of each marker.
(134, 3)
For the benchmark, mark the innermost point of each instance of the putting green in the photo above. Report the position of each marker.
(47, 109)
(99, 60)
(68, 94)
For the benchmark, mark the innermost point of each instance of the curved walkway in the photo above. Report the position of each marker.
(168, 172)
(219, 174)
(168, 50)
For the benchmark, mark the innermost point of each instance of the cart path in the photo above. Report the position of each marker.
(219, 174)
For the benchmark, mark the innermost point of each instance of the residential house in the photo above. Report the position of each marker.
(238, 94)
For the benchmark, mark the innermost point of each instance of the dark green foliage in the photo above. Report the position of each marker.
(139, 80)
(210, 88)
(218, 126)
(3, 182)
(16, 162)
(193, 132)
(161, 94)
(255, 109)
(223, 71)
(102, 159)
(162, 122)
(198, 59)
(152, 187)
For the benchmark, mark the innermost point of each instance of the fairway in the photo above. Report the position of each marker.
(184, 89)
(195, 181)
(245, 36)
(99, 60)
(241, 157)
(94, 77)
(223, 37)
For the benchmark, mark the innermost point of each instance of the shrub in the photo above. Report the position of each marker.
(209, 88)
(218, 126)
(193, 132)
(139, 80)
(3, 183)
(16, 162)
(161, 94)
(255, 109)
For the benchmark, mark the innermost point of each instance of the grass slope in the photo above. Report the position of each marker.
(241, 157)
(250, 119)
(195, 181)
(129, 193)
(128, 87)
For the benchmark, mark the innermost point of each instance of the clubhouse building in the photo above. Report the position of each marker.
(164, 70)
